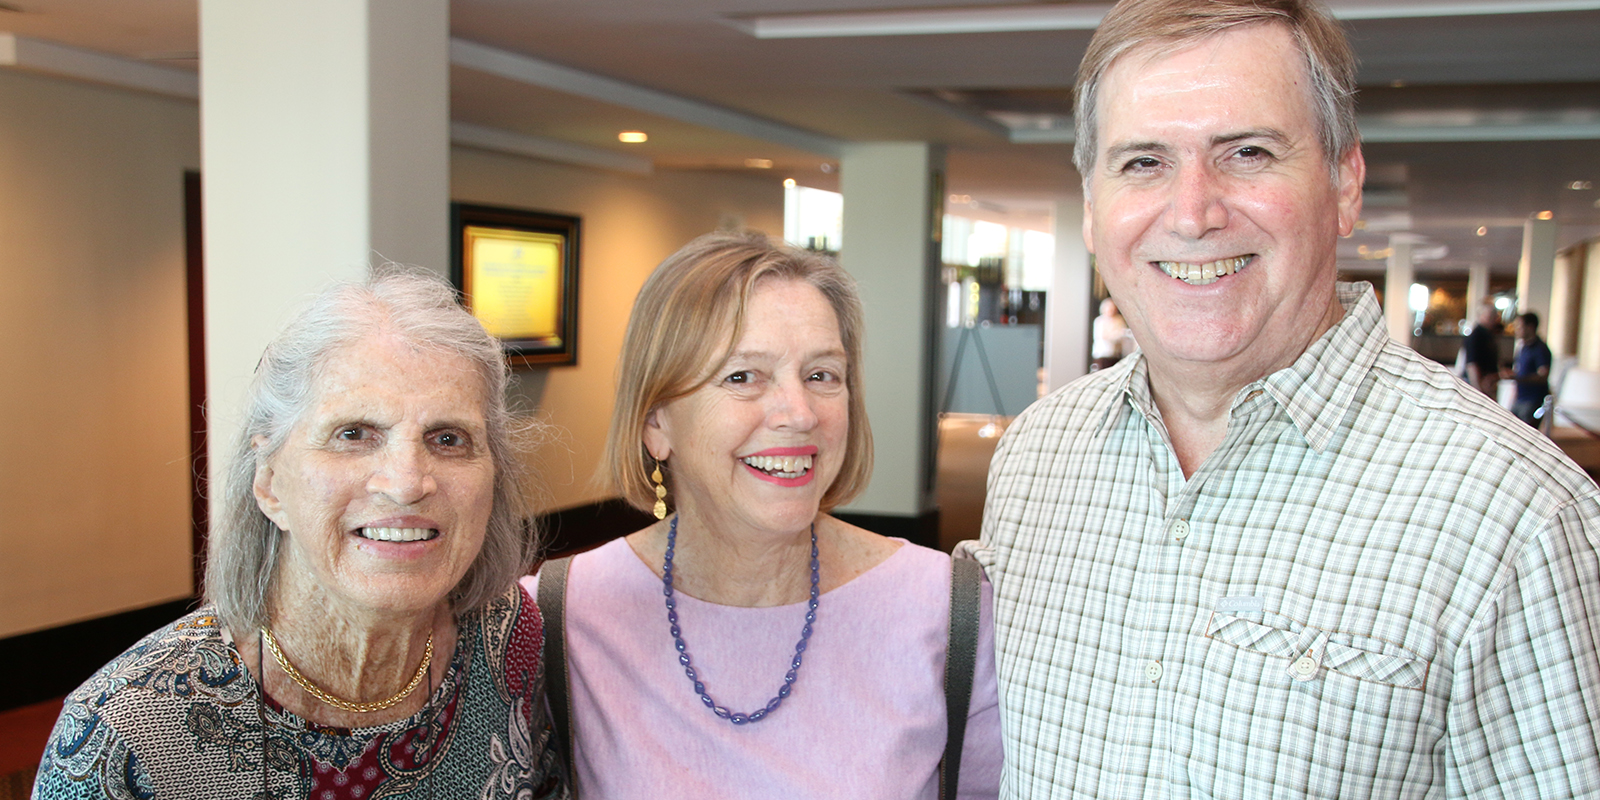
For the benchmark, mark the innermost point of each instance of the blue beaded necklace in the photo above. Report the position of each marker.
(683, 649)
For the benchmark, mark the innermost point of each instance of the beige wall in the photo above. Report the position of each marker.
(94, 469)
(629, 225)
(94, 491)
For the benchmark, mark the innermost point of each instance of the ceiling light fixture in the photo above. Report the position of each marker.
(1085, 16)
(633, 137)
(1483, 230)
(1581, 186)
(758, 163)
(1546, 215)
(788, 183)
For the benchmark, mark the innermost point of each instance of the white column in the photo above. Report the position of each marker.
(325, 147)
(1067, 310)
(1477, 289)
(1397, 290)
(1560, 328)
(1589, 324)
(1536, 270)
(892, 199)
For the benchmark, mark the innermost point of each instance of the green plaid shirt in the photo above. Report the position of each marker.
(1378, 585)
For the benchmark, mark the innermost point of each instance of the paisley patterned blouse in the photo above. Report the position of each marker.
(178, 716)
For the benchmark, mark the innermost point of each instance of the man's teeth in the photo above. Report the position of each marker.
(1202, 274)
(398, 534)
(780, 466)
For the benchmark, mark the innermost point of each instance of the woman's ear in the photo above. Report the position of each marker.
(261, 487)
(656, 439)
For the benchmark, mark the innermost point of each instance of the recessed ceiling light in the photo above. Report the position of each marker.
(1581, 186)
(633, 137)
(758, 163)
(788, 183)
(1546, 215)
(1483, 230)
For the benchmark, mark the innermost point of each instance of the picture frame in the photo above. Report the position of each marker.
(517, 271)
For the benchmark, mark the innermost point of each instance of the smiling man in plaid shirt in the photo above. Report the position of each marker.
(1274, 554)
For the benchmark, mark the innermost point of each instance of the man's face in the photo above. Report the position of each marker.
(1211, 209)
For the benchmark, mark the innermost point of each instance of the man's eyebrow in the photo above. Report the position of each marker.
(1116, 152)
(1270, 134)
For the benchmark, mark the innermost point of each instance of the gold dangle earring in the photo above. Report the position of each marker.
(661, 493)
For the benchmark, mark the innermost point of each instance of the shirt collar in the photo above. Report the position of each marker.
(1316, 390)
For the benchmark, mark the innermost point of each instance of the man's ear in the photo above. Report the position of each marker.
(1352, 175)
(1088, 219)
(266, 498)
(656, 440)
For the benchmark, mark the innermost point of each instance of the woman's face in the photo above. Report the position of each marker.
(384, 487)
(754, 449)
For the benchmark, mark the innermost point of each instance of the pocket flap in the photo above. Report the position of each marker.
(1395, 670)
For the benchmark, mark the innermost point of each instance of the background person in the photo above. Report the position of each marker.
(363, 634)
(1531, 370)
(1481, 352)
(739, 390)
(1274, 553)
(1111, 338)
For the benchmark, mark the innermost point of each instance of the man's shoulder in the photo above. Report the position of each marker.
(1080, 406)
(1407, 383)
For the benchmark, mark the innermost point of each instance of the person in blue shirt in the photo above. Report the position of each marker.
(1531, 370)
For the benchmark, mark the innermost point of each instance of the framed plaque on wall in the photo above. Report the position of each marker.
(518, 271)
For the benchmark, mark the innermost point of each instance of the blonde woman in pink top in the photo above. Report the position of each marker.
(748, 644)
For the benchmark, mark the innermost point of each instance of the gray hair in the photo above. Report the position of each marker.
(1166, 26)
(421, 310)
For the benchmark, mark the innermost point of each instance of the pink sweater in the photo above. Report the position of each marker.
(866, 719)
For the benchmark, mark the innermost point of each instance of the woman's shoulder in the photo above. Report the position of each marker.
(900, 567)
(190, 648)
(510, 633)
(164, 682)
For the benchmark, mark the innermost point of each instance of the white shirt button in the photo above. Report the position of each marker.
(1304, 668)
(1180, 530)
(1152, 671)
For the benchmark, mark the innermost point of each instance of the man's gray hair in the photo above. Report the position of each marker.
(417, 308)
(1167, 26)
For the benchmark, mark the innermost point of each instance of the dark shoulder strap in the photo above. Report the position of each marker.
(557, 682)
(960, 661)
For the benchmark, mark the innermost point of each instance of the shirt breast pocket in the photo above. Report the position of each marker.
(1308, 707)
(1312, 653)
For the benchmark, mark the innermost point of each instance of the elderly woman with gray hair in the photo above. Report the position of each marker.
(364, 635)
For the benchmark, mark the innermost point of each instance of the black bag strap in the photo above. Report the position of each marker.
(558, 682)
(960, 661)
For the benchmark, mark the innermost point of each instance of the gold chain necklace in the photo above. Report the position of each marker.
(340, 703)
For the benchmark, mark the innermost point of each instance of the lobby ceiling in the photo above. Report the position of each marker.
(1476, 113)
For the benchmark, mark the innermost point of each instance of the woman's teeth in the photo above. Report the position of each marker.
(780, 466)
(398, 534)
(1202, 274)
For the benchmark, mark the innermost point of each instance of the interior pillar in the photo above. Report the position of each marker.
(1397, 291)
(893, 201)
(1536, 270)
(325, 147)
(1068, 311)
(1477, 289)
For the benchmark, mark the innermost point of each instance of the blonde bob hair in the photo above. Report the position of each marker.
(687, 319)
(1161, 27)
